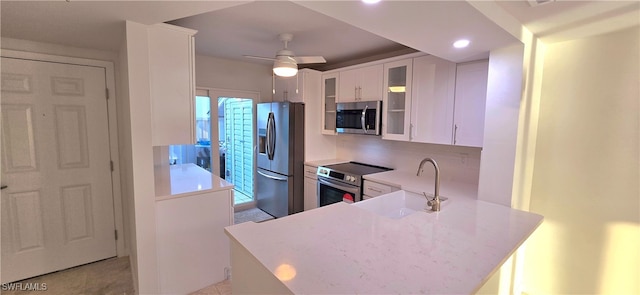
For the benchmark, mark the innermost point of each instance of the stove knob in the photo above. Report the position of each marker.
(349, 177)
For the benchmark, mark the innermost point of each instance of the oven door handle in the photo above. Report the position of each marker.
(353, 190)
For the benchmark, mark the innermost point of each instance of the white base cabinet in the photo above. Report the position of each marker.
(310, 187)
(371, 189)
(193, 250)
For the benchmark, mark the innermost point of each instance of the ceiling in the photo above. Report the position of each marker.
(253, 29)
(342, 31)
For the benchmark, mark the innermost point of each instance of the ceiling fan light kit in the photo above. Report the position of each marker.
(286, 63)
(284, 67)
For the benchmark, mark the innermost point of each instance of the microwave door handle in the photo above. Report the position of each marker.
(362, 119)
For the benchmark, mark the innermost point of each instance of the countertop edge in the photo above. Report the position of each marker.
(193, 193)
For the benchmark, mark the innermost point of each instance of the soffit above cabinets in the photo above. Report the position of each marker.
(342, 31)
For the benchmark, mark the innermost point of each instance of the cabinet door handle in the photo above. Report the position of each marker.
(410, 131)
(3, 187)
(455, 133)
(375, 190)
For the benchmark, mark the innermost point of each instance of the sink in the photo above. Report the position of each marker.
(395, 205)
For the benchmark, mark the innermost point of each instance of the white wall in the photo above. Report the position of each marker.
(126, 168)
(586, 172)
(213, 72)
(504, 92)
(138, 100)
(456, 163)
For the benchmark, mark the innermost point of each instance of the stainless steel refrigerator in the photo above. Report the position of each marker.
(280, 179)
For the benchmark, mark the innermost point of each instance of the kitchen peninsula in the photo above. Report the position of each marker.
(344, 248)
(192, 208)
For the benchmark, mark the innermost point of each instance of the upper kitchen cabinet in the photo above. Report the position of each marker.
(172, 84)
(361, 84)
(289, 88)
(303, 87)
(432, 100)
(329, 90)
(396, 101)
(470, 101)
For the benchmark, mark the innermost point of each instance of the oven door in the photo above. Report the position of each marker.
(331, 191)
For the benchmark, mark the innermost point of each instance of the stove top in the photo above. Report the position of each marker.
(357, 168)
(350, 172)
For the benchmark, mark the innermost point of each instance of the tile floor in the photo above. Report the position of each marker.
(110, 276)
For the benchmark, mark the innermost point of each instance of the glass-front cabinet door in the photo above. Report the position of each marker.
(329, 92)
(396, 118)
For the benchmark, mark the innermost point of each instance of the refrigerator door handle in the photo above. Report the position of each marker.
(272, 177)
(269, 137)
(272, 136)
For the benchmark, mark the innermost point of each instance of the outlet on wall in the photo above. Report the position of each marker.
(464, 159)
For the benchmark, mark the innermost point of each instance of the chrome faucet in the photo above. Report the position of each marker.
(435, 202)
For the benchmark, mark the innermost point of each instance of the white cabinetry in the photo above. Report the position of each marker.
(422, 111)
(172, 84)
(432, 100)
(470, 101)
(293, 88)
(193, 250)
(361, 84)
(329, 95)
(396, 101)
(310, 187)
(372, 189)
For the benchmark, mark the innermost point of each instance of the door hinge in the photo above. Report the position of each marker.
(111, 165)
(107, 92)
(116, 232)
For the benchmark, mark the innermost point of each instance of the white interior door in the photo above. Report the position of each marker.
(57, 207)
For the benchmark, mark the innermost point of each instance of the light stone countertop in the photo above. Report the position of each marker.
(181, 180)
(341, 248)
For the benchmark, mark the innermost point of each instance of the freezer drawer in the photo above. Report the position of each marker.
(275, 193)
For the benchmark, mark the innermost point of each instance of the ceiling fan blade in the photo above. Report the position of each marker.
(310, 59)
(259, 57)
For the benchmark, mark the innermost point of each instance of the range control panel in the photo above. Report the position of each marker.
(325, 172)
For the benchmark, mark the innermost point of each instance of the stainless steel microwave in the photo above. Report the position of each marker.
(361, 117)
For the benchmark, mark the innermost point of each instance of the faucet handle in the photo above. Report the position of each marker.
(435, 204)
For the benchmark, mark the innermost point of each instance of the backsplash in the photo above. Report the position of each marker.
(456, 163)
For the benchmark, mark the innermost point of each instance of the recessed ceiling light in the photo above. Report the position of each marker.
(462, 43)
(371, 1)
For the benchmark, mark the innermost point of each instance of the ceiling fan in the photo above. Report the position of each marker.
(285, 64)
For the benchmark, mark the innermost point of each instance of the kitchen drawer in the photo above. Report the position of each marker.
(375, 189)
(310, 171)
